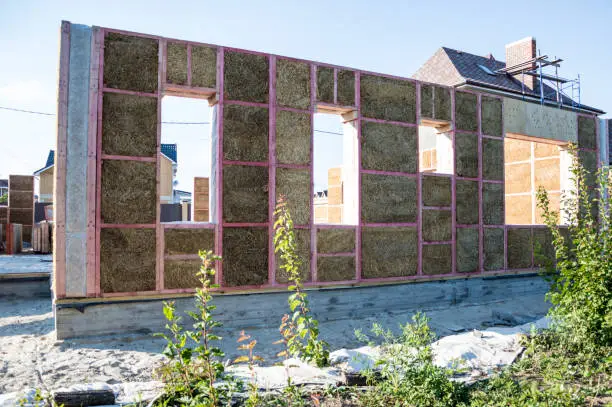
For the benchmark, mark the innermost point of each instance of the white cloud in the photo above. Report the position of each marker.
(25, 92)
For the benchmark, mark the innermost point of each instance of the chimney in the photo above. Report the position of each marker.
(521, 51)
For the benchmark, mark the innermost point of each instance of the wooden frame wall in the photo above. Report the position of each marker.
(216, 95)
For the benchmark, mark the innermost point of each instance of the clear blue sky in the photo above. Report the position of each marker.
(393, 37)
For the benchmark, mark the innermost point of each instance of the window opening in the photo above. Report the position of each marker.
(185, 170)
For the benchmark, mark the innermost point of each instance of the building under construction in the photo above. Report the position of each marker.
(437, 183)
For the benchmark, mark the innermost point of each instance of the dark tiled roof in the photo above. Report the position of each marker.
(467, 66)
(452, 68)
(169, 150)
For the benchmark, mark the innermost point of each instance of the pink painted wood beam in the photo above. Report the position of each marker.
(219, 172)
(271, 169)
(159, 231)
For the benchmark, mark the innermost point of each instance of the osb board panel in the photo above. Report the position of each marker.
(181, 274)
(176, 64)
(436, 191)
(518, 178)
(334, 176)
(335, 240)
(293, 137)
(467, 202)
(293, 84)
(548, 174)
(21, 183)
(130, 63)
(516, 150)
(21, 199)
(346, 88)
(302, 237)
(519, 248)
(587, 135)
(542, 150)
(386, 147)
(334, 195)
(518, 209)
(466, 111)
(467, 250)
(492, 118)
(201, 199)
(437, 259)
(493, 249)
(338, 268)
(203, 67)
(128, 192)
(245, 193)
(387, 198)
(493, 204)
(127, 260)
(388, 252)
(188, 241)
(388, 99)
(334, 214)
(129, 125)
(554, 204)
(21, 216)
(437, 225)
(492, 159)
(246, 77)
(325, 84)
(294, 185)
(466, 155)
(245, 256)
(543, 249)
(245, 133)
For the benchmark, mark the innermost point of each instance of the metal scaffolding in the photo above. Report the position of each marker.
(549, 85)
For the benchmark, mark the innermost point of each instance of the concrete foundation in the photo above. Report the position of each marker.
(265, 310)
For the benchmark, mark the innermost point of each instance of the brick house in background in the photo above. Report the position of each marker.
(528, 162)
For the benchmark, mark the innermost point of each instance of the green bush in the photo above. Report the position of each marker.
(195, 374)
(300, 330)
(581, 292)
(405, 374)
(4, 199)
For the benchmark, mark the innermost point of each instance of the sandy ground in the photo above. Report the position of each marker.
(31, 357)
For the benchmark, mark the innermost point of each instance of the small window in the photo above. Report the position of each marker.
(435, 150)
(487, 70)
